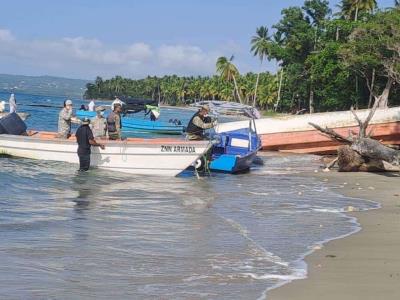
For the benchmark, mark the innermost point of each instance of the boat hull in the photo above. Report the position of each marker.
(141, 124)
(295, 134)
(164, 157)
(233, 163)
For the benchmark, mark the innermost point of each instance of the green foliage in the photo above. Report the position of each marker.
(327, 63)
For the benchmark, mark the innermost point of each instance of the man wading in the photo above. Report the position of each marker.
(199, 123)
(85, 139)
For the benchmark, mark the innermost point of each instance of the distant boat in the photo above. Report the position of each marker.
(159, 157)
(141, 124)
(295, 134)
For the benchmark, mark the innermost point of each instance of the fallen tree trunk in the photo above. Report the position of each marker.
(362, 153)
(350, 160)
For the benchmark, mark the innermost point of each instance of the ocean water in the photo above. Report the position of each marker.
(100, 235)
(46, 118)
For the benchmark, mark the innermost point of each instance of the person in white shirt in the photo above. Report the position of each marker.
(91, 105)
(12, 102)
(2, 106)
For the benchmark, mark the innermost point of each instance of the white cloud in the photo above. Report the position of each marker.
(186, 58)
(5, 35)
(87, 58)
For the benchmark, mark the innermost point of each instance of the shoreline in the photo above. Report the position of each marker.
(363, 264)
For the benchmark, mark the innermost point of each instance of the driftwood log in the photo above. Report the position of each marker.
(361, 152)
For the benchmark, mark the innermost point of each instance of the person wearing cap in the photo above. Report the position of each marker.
(85, 140)
(114, 124)
(64, 120)
(199, 123)
(99, 124)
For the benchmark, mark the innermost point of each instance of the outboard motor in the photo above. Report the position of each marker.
(12, 124)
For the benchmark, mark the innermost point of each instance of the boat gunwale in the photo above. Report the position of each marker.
(51, 138)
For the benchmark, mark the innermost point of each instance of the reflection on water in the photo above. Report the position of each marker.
(104, 235)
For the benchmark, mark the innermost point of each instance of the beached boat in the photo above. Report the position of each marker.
(235, 151)
(166, 157)
(136, 124)
(295, 134)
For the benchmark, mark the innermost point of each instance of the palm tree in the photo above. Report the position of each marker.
(350, 7)
(260, 47)
(228, 71)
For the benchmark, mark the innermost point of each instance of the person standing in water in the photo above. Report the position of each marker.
(85, 140)
(114, 125)
(12, 102)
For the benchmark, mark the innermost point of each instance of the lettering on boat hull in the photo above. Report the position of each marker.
(178, 149)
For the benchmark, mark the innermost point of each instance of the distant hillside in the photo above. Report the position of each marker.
(43, 85)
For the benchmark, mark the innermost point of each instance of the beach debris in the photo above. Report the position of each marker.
(360, 152)
(330, 256)
(351, 209)
(317, 247)
(315, 171)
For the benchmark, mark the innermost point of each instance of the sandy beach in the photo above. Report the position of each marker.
(365, 265)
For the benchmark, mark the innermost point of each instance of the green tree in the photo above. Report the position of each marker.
(350, 9)
(261, 47)
(228, 71)
(374, 47)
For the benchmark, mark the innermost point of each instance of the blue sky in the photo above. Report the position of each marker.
(82, 39)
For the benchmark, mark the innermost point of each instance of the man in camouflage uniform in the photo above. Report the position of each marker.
(114, 124)
(99, 124)
(64, 120)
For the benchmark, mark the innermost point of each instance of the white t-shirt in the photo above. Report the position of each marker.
(91, 106)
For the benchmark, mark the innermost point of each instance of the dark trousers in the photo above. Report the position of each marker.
(84, 162)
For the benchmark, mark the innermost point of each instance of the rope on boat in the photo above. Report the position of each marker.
(123, 149)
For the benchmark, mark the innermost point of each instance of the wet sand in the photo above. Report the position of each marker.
(365, 265)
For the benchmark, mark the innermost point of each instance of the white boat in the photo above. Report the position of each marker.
(164, 157)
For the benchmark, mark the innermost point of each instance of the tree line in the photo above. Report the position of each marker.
(326, 62)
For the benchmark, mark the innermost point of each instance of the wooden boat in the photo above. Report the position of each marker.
(165, 157)
(295, 134)
(141, 124)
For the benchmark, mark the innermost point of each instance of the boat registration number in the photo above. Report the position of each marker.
(179, 149)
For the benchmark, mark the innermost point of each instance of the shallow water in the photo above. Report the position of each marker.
(98, 235)
(104, 235)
